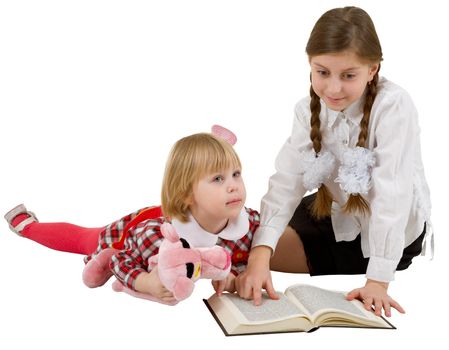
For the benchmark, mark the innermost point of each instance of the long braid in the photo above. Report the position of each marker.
(356, 203)
(321, 206)
(315, 122)
(369, 101)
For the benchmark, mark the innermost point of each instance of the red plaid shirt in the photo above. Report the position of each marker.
(144, 239)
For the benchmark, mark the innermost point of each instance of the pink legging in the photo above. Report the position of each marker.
(62, 236)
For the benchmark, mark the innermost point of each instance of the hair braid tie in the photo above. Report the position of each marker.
(316, 168)
(354, 174)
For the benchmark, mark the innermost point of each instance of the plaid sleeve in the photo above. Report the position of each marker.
(240, 248)
(141, 244)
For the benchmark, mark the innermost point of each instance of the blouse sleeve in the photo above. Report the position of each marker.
(131, 262)
(396, 139)
(285, 186)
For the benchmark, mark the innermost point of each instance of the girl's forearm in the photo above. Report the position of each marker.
(260, 256)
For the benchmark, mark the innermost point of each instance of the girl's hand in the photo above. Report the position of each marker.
(227, 284)
(150, 283)
(257, 276)
(375, 294)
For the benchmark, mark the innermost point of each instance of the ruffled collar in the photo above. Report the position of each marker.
(354, 112)
(193, 233)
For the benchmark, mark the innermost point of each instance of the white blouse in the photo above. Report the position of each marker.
(399, 197)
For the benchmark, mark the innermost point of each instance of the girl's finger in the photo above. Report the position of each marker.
(396, 305)
(220, 287)
(378, 307)
(387, 308)
(368, 302)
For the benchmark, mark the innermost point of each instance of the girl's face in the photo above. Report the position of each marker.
(340, 79)
(217, 198)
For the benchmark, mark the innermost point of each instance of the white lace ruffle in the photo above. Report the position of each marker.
(316, 168)
(354, 174)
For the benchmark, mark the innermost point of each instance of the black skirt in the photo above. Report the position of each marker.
(325, 256)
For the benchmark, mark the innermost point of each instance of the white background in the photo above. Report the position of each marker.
(94, 93)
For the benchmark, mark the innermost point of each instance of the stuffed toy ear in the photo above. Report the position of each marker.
(224, 133)
(169, 232)
(216, 262)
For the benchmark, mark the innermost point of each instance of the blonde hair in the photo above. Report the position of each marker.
(190, 159)
(337, 30)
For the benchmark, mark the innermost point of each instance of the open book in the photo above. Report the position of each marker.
(302, 308)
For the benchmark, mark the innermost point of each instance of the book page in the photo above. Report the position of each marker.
(269, 311)
(315, 299)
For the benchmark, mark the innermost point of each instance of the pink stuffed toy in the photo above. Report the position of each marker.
(180, 266)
